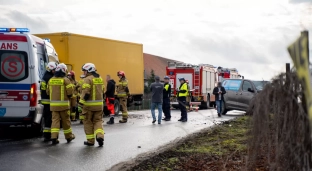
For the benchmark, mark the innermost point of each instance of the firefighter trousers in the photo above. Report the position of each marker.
(93, 125)
(110, 102)
(47, 115)
(55, 128)
(123, 103)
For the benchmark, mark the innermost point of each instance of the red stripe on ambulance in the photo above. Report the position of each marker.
(15, 96)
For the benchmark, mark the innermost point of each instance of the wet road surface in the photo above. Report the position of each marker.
(20, 151)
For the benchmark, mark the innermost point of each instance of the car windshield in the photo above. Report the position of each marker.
(260, 84)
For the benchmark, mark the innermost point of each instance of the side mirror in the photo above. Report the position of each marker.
(250, 90)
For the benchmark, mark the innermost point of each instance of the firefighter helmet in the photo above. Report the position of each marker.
(89, 67)
(61, 67)
(71, 73)
(51, 66)
(121, 73)
(166, 78)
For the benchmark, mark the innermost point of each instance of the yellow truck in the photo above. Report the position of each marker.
(109, 57)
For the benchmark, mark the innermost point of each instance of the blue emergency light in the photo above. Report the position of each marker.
(19, 30)
(46, 39)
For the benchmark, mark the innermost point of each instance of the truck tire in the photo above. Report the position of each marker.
(117, 107)
(208, 102)
(224, 110)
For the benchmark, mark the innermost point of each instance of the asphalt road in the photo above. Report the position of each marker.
(20, 151)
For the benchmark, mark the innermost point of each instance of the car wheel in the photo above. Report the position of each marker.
(117, 107)
(224, 110)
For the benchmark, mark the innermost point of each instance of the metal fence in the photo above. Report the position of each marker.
(146, 103)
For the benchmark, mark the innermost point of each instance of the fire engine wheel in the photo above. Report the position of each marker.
(208, 102)
(117, 107)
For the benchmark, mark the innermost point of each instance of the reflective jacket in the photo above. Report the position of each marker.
(91, 97)
(74, 82)
(60, 90)
(167, 91)
(45, 99)
(122, 88)
(183, 90)
(79, 85)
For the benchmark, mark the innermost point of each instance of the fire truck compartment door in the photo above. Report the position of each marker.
(186, 76)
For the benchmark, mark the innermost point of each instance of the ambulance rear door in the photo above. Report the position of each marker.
(15, 77)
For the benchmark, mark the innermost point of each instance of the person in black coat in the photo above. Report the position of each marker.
(45, 100)
(110, 98)
(219, 92)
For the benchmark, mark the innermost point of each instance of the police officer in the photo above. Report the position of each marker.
(79, 85)
(110, 98)
(91, 105)
(60, 90)
(123, 93)
(45, 100)
(73, 99)
(166, 99)
(182, 93)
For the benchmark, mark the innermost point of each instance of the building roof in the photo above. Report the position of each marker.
(156, 63)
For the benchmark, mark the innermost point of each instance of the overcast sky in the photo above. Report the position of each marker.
(250, 35)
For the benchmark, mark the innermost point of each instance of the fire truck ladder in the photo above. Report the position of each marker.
(196, 81)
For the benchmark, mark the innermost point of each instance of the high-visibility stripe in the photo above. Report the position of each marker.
(59, 103)
(70, 86)
(43, 85)
(93, 93)
(55, 130)
(93, 103)
(73, 114)
(67, 131)
(81, 117)
(123, 83)
(45, 101)
(84, 85)
(90, 136)
(46, 129)
(98, 131)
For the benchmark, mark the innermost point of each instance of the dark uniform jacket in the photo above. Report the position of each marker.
(45, 98)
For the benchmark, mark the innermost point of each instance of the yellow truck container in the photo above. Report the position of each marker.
(109, 57)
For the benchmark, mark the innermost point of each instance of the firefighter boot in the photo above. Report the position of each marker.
(70, 139)
(123, 120)
(111, 121)
(100, 141)
(88, 143)
(55, 141)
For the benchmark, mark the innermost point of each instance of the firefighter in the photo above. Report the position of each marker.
(110, 98)
(79, 85)
(123, 93)
(166, 99)
(73, 99)
(91, 105)
(45, 100)
(182, 93)
(60, 90)
(188, 97)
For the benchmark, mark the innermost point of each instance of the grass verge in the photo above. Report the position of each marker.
(221, 148)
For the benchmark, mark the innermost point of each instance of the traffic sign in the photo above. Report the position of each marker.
(12, 66)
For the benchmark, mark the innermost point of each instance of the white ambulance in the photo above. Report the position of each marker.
(23, 61)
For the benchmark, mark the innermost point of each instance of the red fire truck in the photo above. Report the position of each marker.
(224, 73)
(201, 78)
